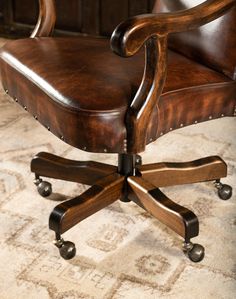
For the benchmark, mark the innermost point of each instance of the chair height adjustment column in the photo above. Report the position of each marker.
(126, 167)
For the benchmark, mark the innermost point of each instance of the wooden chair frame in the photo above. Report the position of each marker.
(132, 181)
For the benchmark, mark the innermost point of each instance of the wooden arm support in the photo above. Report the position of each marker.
(46, 19)
(152, 30)
(130, 35)
(150, 90)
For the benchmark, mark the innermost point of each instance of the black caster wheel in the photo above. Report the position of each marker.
(67, 249)
(195, 252)
(44, 187)
(224, 190)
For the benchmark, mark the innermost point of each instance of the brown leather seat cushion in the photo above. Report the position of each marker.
(81, 90)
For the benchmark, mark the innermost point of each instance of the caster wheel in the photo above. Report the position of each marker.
(195, 252)
(44, 188)
(67, 250)
(225, 192)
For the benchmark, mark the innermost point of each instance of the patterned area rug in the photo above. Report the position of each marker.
(122, 252)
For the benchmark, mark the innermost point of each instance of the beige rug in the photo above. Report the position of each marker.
(121, 251)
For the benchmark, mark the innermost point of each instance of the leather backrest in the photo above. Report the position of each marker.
(213, 44)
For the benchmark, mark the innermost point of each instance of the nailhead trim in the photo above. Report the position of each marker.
(125, 145)
(125, 140)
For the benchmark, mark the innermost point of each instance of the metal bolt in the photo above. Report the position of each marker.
(195, 122)
(25, 108)
(62, 138)
(84, 148)
(6, 91)
(162, 133)
(210, 117)
(48, 128)
(222, 115)
(181, 125)
(105, 150)
(36, 117)
(171, 129)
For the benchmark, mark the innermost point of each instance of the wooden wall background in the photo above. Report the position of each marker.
(95, 17)
(1, 12)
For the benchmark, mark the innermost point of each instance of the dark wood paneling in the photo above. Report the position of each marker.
(90, 16)
(69, 15)
(112, 15)
(1, 11)
(95, 17)
(25, 11)
(138, 7)
(150, 5)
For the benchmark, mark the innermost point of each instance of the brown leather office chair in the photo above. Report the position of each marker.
(98, 101)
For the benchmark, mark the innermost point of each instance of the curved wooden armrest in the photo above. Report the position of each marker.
(46, 19)
(130, 35)
(152, 30)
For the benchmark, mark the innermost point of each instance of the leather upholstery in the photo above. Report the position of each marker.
(213, 44)
(82, 92)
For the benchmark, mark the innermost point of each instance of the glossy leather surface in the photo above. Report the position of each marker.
(82, 92)
(213, 44)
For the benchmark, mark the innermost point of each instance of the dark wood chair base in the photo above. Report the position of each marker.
(132, 181)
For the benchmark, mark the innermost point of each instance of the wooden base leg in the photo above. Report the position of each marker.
(178, 218)
(84, 172)
(169, 174)
(69, 213)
